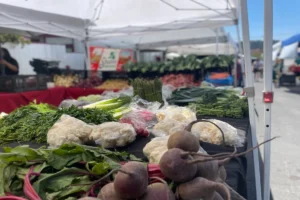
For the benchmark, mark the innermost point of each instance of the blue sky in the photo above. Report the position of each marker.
(286, 19)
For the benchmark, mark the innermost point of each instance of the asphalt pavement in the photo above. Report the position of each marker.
(285, 151)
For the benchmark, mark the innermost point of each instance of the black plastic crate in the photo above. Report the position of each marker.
(23, 83)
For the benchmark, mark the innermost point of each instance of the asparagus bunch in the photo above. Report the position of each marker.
(150, 90)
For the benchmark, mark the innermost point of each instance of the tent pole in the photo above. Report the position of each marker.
(268, 92)
(217, 42)
(241, 52)
(250, 93)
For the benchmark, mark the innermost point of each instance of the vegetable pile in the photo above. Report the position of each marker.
(150, 90)
(32, 122)
(68, 172)
(179, 80)
(114, 84)
(189, 63)
(90, 82)
(231, 107)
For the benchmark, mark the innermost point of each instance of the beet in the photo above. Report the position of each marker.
(222, 173)
(158, 191)
(108, 192)
(131, 181)
(209, 169)
(217, 196)
(175, 166)
(184, 140)
(201, 188)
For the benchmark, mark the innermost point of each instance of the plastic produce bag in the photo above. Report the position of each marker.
(70, 102)
(68, 130)
(208, 132)
(167, 127)
(180, 114)
(141, 120)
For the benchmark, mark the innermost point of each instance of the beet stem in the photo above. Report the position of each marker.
(228, 157)
(159, 179)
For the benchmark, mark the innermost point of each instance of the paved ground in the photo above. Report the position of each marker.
(285, 151)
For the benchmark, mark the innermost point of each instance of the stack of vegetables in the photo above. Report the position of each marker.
(180, 64)
(150, 90)
(189, 95)
(65, 81)
(217, 61)
(114, 84)
(31, 123)
(90, 82)
(179, 80)
(231, 107)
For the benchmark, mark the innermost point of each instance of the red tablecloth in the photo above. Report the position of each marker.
(11, 101)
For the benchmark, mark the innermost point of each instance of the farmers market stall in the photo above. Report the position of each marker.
(167, 17)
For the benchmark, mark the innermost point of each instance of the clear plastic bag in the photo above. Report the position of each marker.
(208, 132)
(180, 114)
(142, 117)
(167, 127)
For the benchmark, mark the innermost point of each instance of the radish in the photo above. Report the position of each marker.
(131, 181)
(176, 166)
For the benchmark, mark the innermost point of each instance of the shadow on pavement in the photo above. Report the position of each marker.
(294, 90)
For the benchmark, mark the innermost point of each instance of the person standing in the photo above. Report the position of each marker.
(10, 65)
(257, 69)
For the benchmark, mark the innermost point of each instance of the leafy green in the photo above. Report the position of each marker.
(65, 172)
(32, 122)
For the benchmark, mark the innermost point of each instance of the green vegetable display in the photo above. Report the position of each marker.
(32, 122)
(194, 94)
(150, 90)
(189, 63)
(232, 107)
(67, 172)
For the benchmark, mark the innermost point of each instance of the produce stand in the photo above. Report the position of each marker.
(139, 24)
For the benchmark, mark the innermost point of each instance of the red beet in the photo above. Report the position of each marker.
(131, 181)
(108, 193)
(158, 191)
(175, 166)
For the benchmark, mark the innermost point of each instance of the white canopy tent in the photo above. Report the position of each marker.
(99, 19)
(204, 49)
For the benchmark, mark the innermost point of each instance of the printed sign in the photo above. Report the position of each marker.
(109, 59)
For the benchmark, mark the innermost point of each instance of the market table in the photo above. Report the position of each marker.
(240, 172)
(54, 96)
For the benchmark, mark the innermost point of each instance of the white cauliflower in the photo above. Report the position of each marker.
(113, 134)
(208, 132)
(180, 114)
(68, 130)
(156, 148)
(167, 127)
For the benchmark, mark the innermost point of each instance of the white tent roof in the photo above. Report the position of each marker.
(71, 18)
(204, 49)
(154, 40)
(26, 20)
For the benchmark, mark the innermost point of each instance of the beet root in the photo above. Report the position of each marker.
(175, 166)
(201, 188)
(131, 181)
(158, 191)
(184, 140)
(108, 192)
